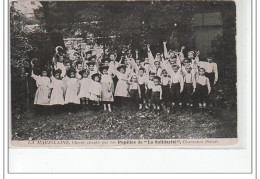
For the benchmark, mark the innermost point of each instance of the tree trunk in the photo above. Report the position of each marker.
(52, 25)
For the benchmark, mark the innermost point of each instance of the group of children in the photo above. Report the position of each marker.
(166, 80)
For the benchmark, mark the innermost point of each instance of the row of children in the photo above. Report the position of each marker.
(170, 79)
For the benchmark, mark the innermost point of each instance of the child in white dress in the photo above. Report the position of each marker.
(43, 85)
(57, 89)
(96, 89)
(122, 87)
(107, 88)
(71, 96)
(84, 87)
(41, 98)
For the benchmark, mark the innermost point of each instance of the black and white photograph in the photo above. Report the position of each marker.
(123, 70)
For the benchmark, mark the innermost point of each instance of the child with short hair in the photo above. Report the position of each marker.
(148, 93)
(84, 87)
(156, 68)
(107, 88)
(134, 91)
(189, 86)
(166, 89)
(156, 95)
(203, 88)
(142, 78)
(176, 86)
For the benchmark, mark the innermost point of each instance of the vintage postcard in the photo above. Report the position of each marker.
(130, 74)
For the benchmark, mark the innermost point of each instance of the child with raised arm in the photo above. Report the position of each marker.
(156, 95)
(203, 88)
(150, 55)
(58, 60)
(107, 88)
(43, 89)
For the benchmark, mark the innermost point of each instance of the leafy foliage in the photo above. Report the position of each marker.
(20, 45)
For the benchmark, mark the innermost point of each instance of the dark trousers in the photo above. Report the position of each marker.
(201, 93)
(187, 93)
(166, 94)
(134, 96)
(211, 77)
(175, 92)
(142, 89)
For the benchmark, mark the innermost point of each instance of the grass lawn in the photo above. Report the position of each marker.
(124, 123)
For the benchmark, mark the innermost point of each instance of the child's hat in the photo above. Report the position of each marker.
(58, 71)
(59, 49)
(121, 66)
(191, 52)
(188, 67)
(175, 66)
(91, 63)
(44, 69)
(156, 61)
(71, 69)
(94, 76)
(90, 58)
(105, 59)
(104, 67)
(88, 52)
(142, 69)
(34, 61)
(157, 77)
(151, 73)
(187, 60)
(81, 72)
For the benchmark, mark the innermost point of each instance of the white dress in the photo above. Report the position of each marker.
(95, 91)
(57, 97)
(85, 85)
(107, 88)
(72, 90)
(42, 93)
(122, 86)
